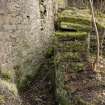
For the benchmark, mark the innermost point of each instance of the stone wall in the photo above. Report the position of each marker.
(76, 81)
(26, 27)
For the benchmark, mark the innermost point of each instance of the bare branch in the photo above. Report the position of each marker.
(97, 34)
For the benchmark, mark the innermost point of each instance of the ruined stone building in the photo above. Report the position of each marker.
(49, 37)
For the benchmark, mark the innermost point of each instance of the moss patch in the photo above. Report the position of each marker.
(69, 56)
(77, 27)
(81, 16)
(62, 100)
(71, 35)
(2, 100)
(74, 46)
(77, 67)
(7, 74)
(11, 87)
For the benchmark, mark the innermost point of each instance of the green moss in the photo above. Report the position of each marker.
(73, 46)
(81, 16)
(68, 56)
(75, 16)
(7, 75)
(49, 52)
(77, 67)
(75, 26)
(2, 99)
(10, 86)
(71, 35)
(60, 1)
(74, 20)
(63, 100)
(77, 21)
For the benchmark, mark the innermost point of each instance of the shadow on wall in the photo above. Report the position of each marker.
(40, 82)
(29, 70)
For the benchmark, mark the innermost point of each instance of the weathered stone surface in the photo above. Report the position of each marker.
(23, 35)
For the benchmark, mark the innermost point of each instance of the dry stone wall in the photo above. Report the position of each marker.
(76, 81)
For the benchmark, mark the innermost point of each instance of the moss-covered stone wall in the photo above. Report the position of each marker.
(76, 82)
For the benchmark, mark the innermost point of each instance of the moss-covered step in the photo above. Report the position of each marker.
(76, 67)
(75, 16)
(81, 16)
(59, 44)
(71, 36)
(74, 26)
(70, 57)
(73, 46)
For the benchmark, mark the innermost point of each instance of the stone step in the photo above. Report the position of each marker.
(71, 36)
(80, 49)
(68, 43)
(75, 26)
(75, 67)
(82, 17)
(70, 57)
(73, 46)
(58, 43)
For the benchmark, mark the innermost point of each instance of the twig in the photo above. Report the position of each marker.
(97, 35)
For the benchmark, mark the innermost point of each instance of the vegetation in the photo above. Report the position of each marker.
(72, 48)
(70, 70)
(2, 100)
